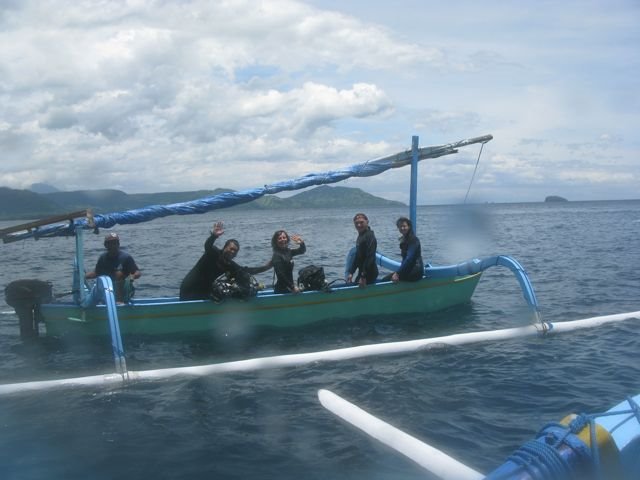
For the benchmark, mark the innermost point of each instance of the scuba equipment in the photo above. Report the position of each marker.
(242, 285)
(312, 277)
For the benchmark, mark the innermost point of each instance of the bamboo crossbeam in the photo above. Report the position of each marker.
(43, 221)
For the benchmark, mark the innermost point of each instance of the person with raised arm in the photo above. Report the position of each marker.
(282, 260)
(197, 284)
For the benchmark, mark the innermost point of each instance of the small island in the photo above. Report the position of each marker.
(555, 198)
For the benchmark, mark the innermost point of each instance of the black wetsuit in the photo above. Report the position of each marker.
(197, 283)
(282, 261)
(412, 268)
(365, 258)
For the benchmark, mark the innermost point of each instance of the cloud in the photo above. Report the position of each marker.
(179, 95)
(138, 78)
(596, 177)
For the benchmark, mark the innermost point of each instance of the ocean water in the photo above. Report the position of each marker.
(477, 403)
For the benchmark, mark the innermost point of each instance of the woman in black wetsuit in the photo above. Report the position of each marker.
(412, 268)
(282, 260)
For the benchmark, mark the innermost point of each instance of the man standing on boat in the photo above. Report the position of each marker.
(214, 262)
(117, 264)
(365, 258)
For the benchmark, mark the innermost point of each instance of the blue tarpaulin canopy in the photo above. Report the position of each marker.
(229, 199)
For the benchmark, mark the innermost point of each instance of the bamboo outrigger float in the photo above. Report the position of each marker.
(123, 377)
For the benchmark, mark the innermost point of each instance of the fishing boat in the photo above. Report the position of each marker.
(600, 446)
(94, 311)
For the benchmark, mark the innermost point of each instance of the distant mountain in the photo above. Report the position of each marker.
(328, 197)
(139, 200)
(99, 200)
(24, 204)
(43, 188)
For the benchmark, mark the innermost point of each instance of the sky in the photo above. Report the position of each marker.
(154, 96)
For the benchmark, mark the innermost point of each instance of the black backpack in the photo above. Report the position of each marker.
(312, 278)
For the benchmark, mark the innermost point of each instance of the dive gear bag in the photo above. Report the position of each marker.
(312, 277)
(242, 285)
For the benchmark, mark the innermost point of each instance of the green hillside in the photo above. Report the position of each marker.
(329, 197)
(25, 204)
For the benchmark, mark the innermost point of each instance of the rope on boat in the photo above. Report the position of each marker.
(568, 449)
(635, 409)
(283, 361)
(474, 172)
(536, 457)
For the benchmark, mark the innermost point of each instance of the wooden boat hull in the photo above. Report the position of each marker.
(168, 315)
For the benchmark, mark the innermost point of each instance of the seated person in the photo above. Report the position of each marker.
(213, 263)
(117, 264)
(412, 268)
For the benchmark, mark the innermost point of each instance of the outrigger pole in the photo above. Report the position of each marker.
(413, 188)
(428, 457)
(605, 444)
(32, 226)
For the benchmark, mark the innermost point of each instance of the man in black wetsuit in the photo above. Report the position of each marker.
(365, 258)
(213, 263)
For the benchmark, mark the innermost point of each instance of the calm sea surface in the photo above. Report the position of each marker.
(477, 403)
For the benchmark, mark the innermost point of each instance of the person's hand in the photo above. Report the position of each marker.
(362, 283)
(218, 229)
(297, 239)
(395, 278)
(295, 290)
(348, 279)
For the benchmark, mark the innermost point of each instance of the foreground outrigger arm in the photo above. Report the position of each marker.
(600, 446)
